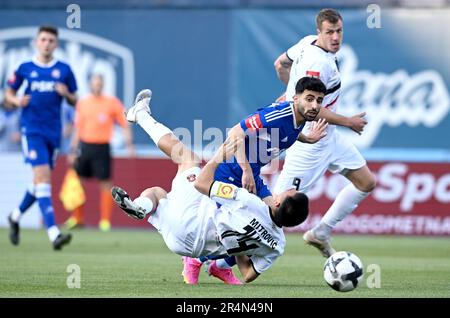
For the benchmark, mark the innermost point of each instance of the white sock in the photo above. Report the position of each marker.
(144, 203)
(32, 189)
(346, 201)
(53, 232)
(220, 263)
(152, 127)
(322, 231)
(15, 215)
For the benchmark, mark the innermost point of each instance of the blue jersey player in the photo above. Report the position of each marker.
(48, 82)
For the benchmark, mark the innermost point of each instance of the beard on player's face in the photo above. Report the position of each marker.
(310, 114)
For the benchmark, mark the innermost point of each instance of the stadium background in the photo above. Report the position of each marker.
(213, 61)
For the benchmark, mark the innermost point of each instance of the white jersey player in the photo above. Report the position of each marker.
(306, 163)
(188, 217)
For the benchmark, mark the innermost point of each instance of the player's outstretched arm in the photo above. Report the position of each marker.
(355, 123)
(246, 268)
(206, 178)
(248, 181)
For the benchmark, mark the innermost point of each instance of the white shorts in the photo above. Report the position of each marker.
(178, 218)
(306, 163)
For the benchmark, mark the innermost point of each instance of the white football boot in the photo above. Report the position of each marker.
(324, 246)
(141, 102)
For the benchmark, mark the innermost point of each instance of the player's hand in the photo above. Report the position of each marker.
(281, 99)
(23, 101)
(61, 89)
(248, 182)
(357, 123)
(318, 130)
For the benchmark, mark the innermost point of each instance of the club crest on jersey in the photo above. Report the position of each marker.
(32, 155)
(56, 73)
(191, 178)
(253, 122)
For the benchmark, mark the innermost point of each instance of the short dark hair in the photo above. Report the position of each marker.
(48, 28)
(310, 83)
(293, 210)
(329, 15)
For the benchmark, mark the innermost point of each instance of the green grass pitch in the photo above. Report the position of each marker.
(126, 263)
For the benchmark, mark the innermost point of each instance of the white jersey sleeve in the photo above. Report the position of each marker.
(294, 51)
(263, 263)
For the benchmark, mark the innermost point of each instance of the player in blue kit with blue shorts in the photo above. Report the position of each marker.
(49, 81)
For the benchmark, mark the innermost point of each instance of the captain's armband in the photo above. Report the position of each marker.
(221, 190)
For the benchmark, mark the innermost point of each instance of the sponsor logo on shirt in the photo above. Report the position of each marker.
(42, 86)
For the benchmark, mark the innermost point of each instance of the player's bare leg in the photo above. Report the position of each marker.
(362, 179)
(363, 183)
(164, 138)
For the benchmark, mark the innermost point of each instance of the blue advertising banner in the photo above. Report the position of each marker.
(399, 74)
(216, 65)
(181, 55)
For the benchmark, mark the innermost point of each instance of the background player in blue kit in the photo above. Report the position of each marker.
(49, 81)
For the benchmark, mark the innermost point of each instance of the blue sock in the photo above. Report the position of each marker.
(27, 200)
(203, 259)
(211, 258)
(44, 198)
(231, 261)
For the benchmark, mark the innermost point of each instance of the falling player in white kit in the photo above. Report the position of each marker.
(306, 163)
(188, 218)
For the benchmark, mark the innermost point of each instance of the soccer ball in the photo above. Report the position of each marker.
(343, 271)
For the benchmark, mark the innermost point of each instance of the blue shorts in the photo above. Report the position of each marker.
(232, 173)
(39, 151)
